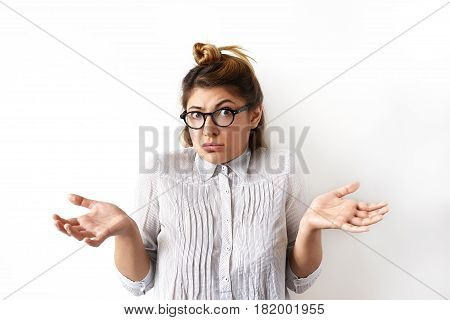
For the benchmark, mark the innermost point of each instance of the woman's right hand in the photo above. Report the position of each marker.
(102, 221)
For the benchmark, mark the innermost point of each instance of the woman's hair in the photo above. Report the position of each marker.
(236, 74)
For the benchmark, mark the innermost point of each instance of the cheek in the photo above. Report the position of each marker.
(237, 134)
(194, 136)
(242, 123)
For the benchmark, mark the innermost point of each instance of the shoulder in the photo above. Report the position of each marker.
(269, 161)
(169, 162)
(178, 162)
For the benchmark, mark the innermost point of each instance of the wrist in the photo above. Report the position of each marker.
(305, 223)
(128, 229)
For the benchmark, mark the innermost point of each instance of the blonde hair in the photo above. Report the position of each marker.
(215, 69)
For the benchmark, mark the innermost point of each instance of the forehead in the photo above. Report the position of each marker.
(208, 97)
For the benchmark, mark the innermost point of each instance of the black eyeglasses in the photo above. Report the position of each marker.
(223, 117)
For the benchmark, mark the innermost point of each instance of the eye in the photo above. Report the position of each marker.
(224, 112)
(195, 115)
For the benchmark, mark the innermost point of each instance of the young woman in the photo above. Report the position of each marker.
(225, 218)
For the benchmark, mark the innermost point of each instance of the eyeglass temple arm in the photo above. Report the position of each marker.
(244, 108)
(210, 113)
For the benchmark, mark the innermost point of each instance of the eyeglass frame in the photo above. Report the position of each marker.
(205, 114)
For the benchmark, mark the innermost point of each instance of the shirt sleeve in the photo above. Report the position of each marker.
(296, 205)
(146, 216)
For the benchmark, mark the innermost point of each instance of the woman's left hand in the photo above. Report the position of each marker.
(331, 211)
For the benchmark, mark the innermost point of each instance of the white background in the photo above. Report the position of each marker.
(69, 126)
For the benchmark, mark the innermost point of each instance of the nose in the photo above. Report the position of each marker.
(210, 128)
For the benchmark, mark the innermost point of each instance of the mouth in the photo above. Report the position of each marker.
(212, 147)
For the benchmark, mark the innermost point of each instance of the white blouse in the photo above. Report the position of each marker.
(220, 231)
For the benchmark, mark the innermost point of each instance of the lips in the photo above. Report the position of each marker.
(212, 144)
(212, 147)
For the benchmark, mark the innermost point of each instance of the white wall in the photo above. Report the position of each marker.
(67, 125)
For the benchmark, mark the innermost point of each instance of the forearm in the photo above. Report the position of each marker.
(307, 253)
(130, 256)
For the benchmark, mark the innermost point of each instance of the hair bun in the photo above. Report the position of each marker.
(206, 53)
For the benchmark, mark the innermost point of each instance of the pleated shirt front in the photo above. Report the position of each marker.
(220, 231)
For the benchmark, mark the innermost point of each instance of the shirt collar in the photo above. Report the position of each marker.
(239, 165)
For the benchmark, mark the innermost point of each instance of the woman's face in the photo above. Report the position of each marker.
(233, 140)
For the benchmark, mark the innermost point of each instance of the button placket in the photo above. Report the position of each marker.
(225, 255)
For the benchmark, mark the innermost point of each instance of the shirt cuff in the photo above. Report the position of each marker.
(300, 285)
(140, 287)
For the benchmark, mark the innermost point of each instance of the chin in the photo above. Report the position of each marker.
(213, 157)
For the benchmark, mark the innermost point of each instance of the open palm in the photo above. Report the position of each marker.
(102, 221)
(332, 211)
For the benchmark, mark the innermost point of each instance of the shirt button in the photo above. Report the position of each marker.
(228, 248)
(225, 278)
(226, 191)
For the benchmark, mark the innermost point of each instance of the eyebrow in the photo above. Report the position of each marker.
(217, 105)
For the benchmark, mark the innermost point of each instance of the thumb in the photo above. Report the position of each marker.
(347, 189)
(80, 201)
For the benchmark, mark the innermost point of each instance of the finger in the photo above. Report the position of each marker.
(381, 211)
(76, 233)
(366, 221)
(82, 231)
(80, 201)
(67, 228)
(370, 207)
(97, 240)
(351, 228)
(78, 228)
(347, 189)
(86, 234)
(72, 221)
(93, 242)
(361, 214)
(72, 231)
(60, 227)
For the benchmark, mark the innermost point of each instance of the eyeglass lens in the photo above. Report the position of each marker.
(221, 117)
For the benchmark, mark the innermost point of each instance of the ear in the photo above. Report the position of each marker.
(255, 116)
